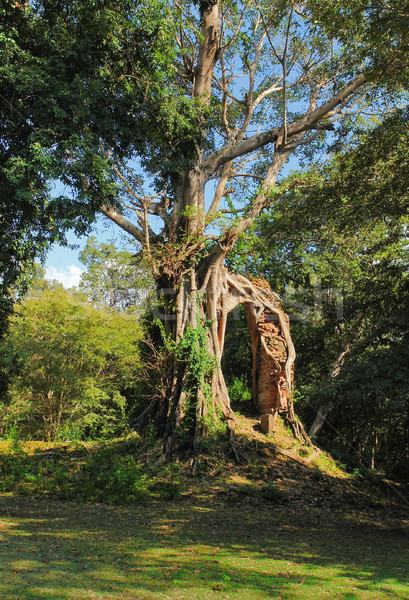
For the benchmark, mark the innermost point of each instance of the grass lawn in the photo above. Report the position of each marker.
(199, 549)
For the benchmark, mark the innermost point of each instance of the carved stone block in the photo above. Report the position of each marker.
(267, 424)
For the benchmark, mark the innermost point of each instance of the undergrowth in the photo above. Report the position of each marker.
(111, 472)
(273, 470)
(121, 471)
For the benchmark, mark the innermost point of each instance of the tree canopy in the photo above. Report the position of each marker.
(69, 87)
(338, 238)
(87, 90)
(70, 365)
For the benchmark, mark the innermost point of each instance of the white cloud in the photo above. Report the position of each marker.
(69, 276)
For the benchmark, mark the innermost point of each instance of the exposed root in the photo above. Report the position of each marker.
(233, 446)
(297, 427)
(273, 356)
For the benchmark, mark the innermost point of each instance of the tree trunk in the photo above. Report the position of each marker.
(319, 420)
(194, 326)
(324, 410)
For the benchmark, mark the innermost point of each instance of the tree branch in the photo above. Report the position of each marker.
(122, 222)
(230, 151)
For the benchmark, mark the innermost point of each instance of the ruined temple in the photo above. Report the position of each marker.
(273, 350)
(269, 361)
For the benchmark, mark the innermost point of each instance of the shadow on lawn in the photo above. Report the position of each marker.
(63, 551)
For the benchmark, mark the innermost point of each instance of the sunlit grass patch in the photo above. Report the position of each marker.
(64, 551)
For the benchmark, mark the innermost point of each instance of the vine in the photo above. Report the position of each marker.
(190, 352)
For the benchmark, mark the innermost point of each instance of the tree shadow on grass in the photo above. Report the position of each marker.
(64, 551)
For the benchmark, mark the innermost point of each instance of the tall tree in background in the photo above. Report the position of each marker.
(113, 278)
(344, 226)
(175, 123)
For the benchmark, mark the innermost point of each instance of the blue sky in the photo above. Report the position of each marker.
(63, 264)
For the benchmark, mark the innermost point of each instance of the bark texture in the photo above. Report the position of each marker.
(188, 409)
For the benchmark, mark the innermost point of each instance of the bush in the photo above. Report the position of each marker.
(109, 476)
(73, 364)
(239, 391)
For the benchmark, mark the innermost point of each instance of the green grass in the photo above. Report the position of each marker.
(280, 523)
(195, 550)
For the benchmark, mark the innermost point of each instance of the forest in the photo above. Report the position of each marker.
(240, 343)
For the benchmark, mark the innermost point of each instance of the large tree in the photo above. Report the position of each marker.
(65, 89)
(178, 120)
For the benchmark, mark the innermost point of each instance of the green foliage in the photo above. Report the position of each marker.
(89, 71)
(75, 79)
(112, 83)
(191, 353)
(13, 468)
(237, 357)
(337, 239)
(109, 476)
(239, 391)
(373, 32)
(75, 364)
(114, 101)
(191, 350)
(112, 472)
